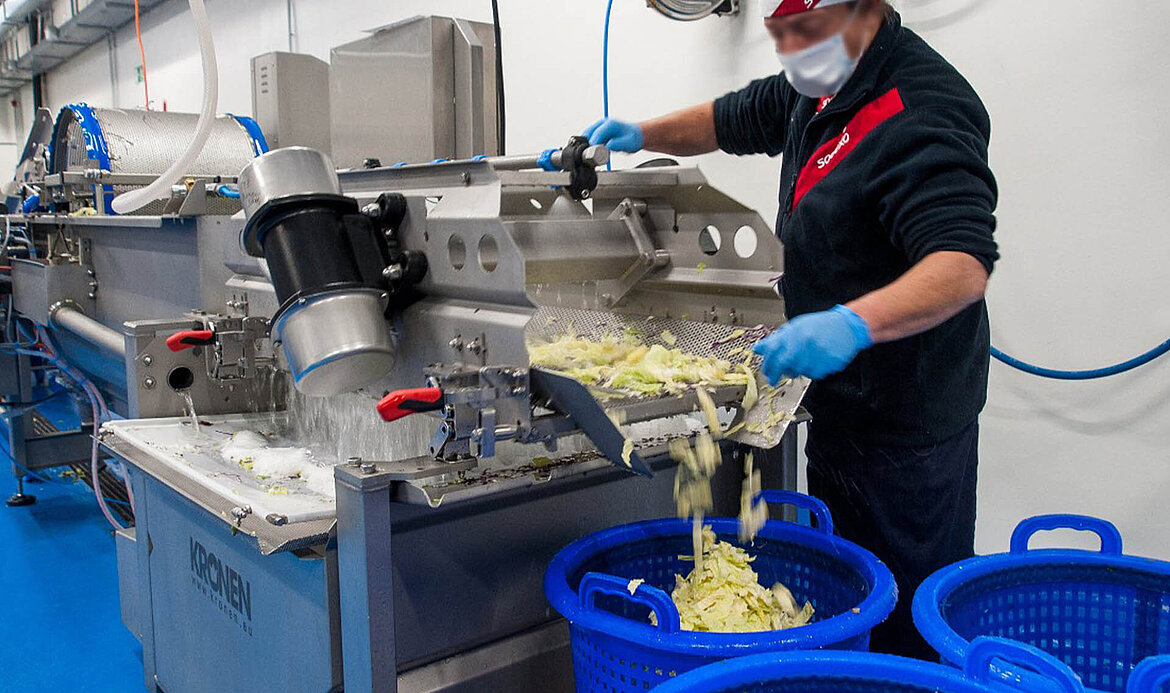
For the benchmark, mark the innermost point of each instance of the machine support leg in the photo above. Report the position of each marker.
(789, 457)
(20, 498)
(365, 579)
(778, 469)
(19, 430)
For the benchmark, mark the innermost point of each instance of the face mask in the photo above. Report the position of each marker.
(821, 69)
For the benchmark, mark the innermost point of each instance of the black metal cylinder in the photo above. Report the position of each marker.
(330, 324)
(305, 243)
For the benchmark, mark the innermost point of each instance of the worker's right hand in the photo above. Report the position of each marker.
(617, 135)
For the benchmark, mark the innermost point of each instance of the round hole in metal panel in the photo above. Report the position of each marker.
(489, 253)
(180, 378)
(710, 240)
(456, 252)
(745, 242)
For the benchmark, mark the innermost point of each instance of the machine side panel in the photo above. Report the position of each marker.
(144, 274)
(217, 242)
(465, 577)
(130, 595)
(219, 606)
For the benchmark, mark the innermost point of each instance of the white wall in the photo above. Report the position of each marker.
(1080, 150)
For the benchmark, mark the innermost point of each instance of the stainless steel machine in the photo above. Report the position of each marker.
(377, 320)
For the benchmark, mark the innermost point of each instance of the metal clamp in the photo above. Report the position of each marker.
(650, 258)
(234, 354)
(239, 513)
(475, 401)
(578, 158)
(582, 174)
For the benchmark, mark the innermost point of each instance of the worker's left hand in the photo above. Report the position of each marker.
(815, 345)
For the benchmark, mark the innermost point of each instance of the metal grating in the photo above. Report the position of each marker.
(730, 342)
(41, 425)
(112, 488)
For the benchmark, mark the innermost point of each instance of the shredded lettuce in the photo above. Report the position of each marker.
(752, 515)
(707, 406)
(627, 451)
(721, 593)
(752, 394)
(724, 594)
(627, 365)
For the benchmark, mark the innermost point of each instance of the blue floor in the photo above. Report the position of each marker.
(60, 625)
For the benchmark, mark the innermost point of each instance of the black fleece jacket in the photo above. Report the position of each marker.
(890, 170)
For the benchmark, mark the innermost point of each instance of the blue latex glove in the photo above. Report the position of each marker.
(814, 345)
(618, 135)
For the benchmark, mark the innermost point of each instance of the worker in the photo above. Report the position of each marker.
(886, 216)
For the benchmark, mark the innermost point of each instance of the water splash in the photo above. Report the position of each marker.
(336, 428)
(189, 410)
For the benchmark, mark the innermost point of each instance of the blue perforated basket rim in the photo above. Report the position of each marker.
(874, 609)
(95, 142)
(255, 134)
(936, 589)
(863, 667)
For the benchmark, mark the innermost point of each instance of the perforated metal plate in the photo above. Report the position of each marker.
(148, 142)
(730, 342)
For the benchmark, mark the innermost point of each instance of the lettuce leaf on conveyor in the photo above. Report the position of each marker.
(624, 364)
(724, 595)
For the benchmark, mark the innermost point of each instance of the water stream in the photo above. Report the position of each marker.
(189, 409)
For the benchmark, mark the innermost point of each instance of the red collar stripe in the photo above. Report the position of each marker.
(833, 152)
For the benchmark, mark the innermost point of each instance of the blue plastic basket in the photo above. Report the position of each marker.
(1151, 676)
(1100, 612)
(616, 650)
(862, 672)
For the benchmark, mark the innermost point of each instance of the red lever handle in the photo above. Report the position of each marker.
(191, 338)
(402, 403)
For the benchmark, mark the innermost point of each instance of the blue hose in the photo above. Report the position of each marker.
(1093, 374)
(605, 71)
(228, 191)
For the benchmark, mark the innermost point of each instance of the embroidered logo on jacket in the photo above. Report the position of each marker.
(830, 155)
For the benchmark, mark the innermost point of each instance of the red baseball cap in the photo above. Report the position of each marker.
(783, 8)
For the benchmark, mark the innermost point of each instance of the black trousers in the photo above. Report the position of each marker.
(912, 507)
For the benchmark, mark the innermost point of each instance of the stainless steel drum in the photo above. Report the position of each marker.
(147, 142)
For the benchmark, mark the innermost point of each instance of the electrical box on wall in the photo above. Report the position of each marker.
(416, 90)
(290, 99)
